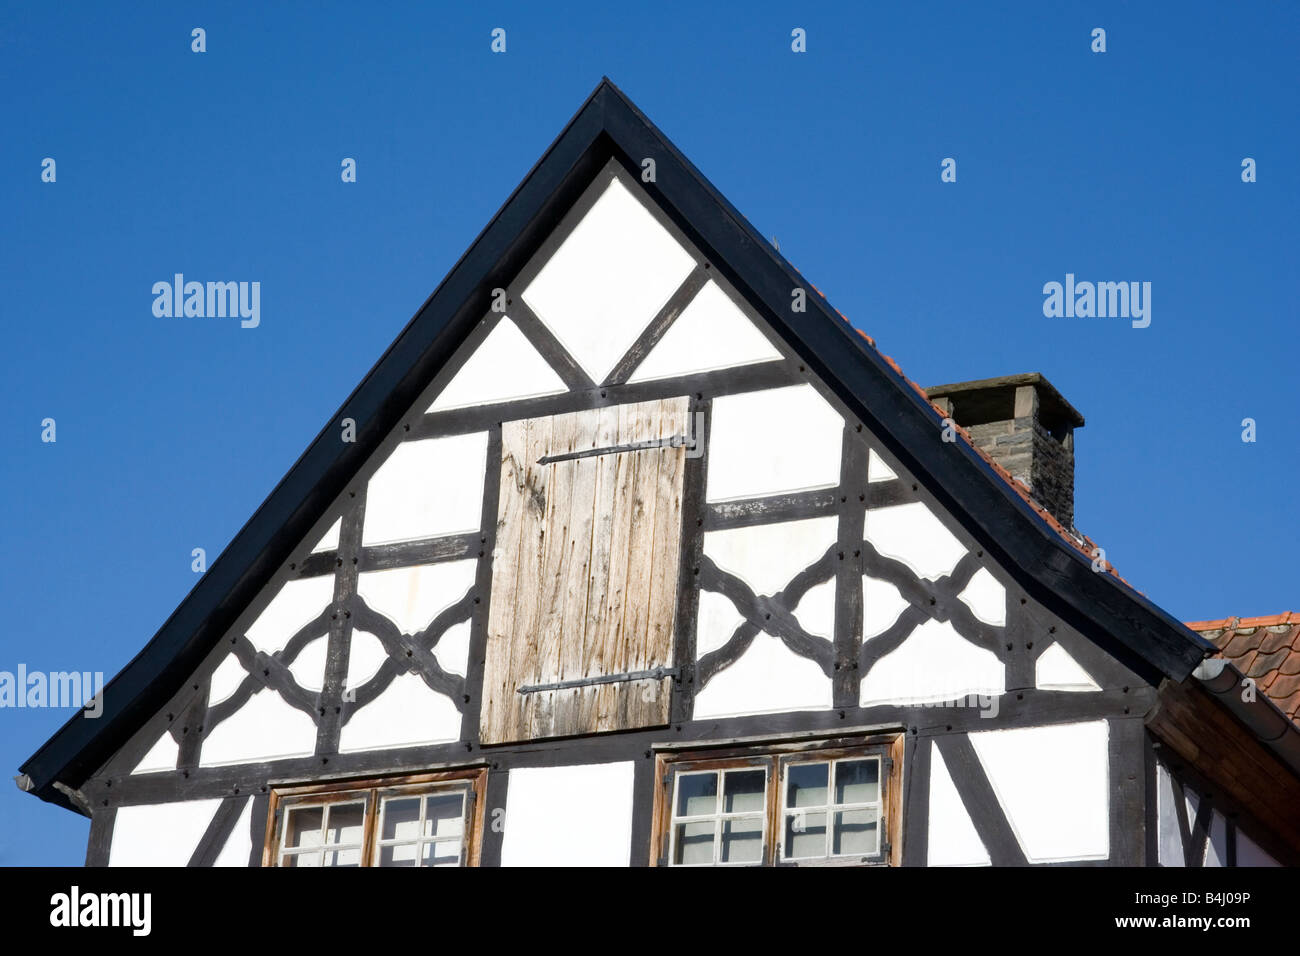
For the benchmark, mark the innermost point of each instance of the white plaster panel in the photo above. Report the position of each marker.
(297, 603)
(308, 668)
(881, 605)
(265, 728)
(412, 597)
(238, 848)
(877, 470)
(505, 367)
(769, 678)
(569, 816)
(816, 610)
(330, 540)
(952, 839)
(715, 623)
(161, 756)
(366, 655)
(452, 649)
(1052, 783)
(1055, 669)
(934, 663)
(1250, 854)
(711, 333)
(406, 714)
(773, 441)
(225, 680)
(607, 280)
(427, 488)
(160, 834)
(986, 598)
(912, 534)
(1170, 838)
(1216, 844)
(768, 556)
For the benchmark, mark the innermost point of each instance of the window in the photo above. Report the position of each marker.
(830, 808)
(719, 816)
(428, 820)
(827, 802)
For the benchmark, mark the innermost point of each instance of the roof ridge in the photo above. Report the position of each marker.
(1267, 620)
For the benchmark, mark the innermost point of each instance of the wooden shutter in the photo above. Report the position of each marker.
(584, 576)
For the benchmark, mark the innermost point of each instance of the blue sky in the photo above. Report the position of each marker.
(225, 165)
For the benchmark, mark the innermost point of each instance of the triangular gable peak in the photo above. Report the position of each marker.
(622, 416)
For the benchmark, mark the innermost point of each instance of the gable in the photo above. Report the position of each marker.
(716, 544)
(791, 438)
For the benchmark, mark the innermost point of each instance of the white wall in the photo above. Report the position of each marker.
(934, 663)
(951, 838)
(773, 441)
(569, 816)
(164, 834)
(609, 278)
(1053, 785)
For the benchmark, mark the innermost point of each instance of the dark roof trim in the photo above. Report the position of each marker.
(606, 125)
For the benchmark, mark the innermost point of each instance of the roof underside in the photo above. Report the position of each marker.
(609, 126)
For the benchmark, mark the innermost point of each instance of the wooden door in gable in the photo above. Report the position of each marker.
(584, 576)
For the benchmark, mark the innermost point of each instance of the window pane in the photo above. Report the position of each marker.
(856, 832)
(857, 781)
(744, 790)
(303, 827)
(343, 858)
(401, 819)
(404, 854)
(742, 840)
(805, 835)
(344, 824)
(806, 785)
(444, 815)
(697, 794)
(301, 859)
(694, 843)
(442, 853)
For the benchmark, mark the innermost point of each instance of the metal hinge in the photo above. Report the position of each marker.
(657, 673)
(675, 441)
(692, 444)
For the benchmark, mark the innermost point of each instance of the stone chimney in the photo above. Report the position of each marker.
(1022, 423)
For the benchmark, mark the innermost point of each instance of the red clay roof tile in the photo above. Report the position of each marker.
(1265, 649)
(1275, 639)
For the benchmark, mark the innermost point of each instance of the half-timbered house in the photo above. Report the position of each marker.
(642, 554)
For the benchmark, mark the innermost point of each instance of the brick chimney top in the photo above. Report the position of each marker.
(1024, 424)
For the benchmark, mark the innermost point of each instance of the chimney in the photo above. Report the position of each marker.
(1023, 424)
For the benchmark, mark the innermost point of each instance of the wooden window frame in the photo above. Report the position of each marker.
(372, 790)
(775, 757)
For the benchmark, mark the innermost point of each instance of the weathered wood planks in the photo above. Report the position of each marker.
(584, 578)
